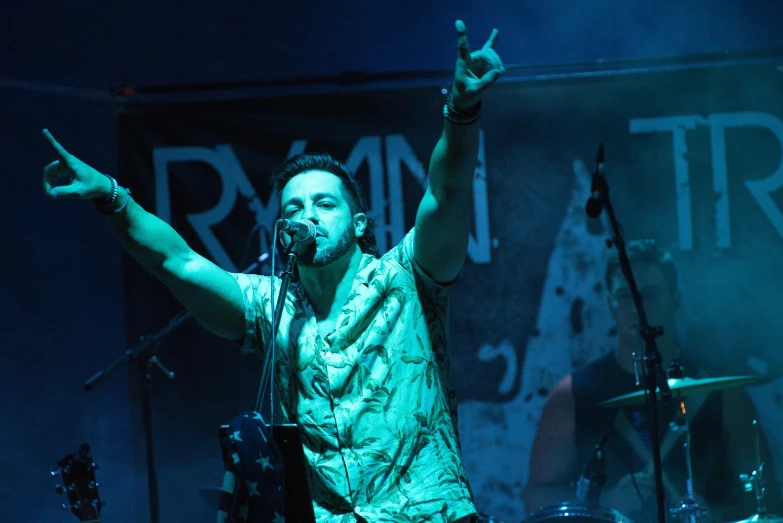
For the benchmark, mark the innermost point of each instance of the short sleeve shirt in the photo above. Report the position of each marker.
(374, 399)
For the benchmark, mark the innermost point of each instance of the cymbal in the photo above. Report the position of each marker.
(682, 387)
(756, 518)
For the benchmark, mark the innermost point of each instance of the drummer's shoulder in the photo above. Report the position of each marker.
(562, 391)
(559, 407)
(564, 386)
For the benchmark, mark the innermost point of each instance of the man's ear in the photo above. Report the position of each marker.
(359, 224)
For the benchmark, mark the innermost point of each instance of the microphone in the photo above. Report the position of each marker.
(594, 466)
(595, 203)
(301, 231)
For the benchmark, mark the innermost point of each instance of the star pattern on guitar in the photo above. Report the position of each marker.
(254, 462)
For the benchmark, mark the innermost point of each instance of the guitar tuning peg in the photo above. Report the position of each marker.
(93, 484)
(59, 488)
(65, 506)
(54, 471)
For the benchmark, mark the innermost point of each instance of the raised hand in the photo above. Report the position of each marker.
(84, 182)
(476, 70)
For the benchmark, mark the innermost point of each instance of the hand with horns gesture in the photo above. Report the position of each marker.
(475, 71)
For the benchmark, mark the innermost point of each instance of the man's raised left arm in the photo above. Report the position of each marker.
(444, 215)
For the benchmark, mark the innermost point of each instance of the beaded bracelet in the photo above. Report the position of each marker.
(461, 117)
(124, 204)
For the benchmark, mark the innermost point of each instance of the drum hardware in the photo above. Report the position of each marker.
(687, 510)
(593, 478)
(578, 513)
(755, 482)
(637, 361)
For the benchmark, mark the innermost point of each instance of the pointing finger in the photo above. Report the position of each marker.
(493, 37)
(463, 46)
(59, 150)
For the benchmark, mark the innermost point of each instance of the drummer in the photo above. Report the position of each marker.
(721, 422)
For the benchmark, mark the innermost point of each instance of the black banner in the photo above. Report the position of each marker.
(693, 159)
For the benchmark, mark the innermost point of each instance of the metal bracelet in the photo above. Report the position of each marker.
(106, 209)
(107, 200)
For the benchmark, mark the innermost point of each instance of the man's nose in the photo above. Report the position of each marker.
(310, 213)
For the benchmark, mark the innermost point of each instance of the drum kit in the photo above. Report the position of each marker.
(688, 510)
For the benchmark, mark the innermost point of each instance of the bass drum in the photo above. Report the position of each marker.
(575, 513)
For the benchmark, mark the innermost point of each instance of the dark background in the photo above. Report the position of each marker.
(63, 313)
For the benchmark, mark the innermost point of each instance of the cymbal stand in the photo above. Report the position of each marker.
(755, 480)
(688, 510)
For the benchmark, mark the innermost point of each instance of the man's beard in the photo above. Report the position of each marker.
(311, 256)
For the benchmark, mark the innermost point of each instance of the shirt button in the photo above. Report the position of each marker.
(328, 354)
(336, 401)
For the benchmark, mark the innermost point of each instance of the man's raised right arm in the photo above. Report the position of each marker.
(211, 294)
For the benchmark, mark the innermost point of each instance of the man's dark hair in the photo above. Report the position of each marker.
(352, 190)
(645, 252)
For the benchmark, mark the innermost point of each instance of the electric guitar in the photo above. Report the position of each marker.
(77, 472)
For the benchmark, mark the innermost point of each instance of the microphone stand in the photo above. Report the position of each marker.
(268, 365)
(144, 353)
(655, 377)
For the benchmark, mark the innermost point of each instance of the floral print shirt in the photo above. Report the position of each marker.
(374, 398)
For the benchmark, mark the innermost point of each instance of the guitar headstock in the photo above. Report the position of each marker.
(78, 483)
